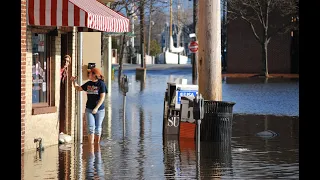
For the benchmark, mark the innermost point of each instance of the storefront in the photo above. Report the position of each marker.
(49, 106)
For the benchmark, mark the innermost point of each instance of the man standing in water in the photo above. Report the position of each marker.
(65, 62)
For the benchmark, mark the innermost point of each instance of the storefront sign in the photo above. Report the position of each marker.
(41, 46)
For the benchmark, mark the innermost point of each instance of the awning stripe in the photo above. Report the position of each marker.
(31, 11)
(54, 17)
(48, 8)
(59, 13)
(76, 16)
(80, 13)
(65, 13)
(36, 12)
(42, 12)
(71, 14)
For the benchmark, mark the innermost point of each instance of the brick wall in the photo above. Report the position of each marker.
(23, 70)
(45, 126)
(244, 51)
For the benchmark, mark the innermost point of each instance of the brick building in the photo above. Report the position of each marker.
(48, 107)
(244, 51)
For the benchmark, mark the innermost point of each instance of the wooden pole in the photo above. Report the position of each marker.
(170, 25)
(194, 56)
(143, 64)
(150, 27)
(210, 82)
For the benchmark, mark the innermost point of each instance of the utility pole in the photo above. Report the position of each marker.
(150, 27)
(178, 23)
(210, 82)
(143, 63)
(170, 26)
(194, 56)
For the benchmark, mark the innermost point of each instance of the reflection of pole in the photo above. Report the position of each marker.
(198, 166)
(124, 113)
(198, 149)
(79, 157)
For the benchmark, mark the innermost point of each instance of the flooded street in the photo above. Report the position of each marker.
(140, 152)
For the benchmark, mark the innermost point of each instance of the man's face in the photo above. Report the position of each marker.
(66, 62)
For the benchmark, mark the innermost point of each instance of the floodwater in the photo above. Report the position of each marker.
(140, 152)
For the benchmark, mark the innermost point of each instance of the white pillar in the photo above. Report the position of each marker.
(80, 119)
(109, 60)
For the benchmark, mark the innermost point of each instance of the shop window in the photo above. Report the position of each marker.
(40, 74)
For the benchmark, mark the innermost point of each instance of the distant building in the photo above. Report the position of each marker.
(244, 52)
(184, 38)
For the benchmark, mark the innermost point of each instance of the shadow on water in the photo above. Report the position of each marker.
(142, 152)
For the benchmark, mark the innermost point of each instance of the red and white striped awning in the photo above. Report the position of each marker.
(80, 13)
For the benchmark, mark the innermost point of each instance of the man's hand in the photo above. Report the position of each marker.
(95, 110)
(73, 78)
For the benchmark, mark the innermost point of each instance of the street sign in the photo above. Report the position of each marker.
(189, 93)
(193, 47)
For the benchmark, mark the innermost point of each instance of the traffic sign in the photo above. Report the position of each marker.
(193, 47)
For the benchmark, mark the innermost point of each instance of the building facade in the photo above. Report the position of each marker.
(48, 105)
(244, 51)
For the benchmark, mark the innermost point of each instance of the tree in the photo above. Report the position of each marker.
(137, 9)
(257, 13)
(155, 48)
(182, 18)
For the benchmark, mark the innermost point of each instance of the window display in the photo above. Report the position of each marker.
(39, 69)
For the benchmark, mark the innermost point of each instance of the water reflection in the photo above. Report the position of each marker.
(144, 154)
(216, 159)
(141, 145)
(94, 162)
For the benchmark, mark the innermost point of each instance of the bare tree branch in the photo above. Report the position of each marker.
(252, 28)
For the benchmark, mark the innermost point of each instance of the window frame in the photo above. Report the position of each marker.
(49, 106)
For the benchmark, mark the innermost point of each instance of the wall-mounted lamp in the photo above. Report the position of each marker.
(53, 32)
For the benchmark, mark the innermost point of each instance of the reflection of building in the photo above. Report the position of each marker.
(45, 39)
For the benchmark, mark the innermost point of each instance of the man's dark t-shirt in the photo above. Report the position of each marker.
(94, 89)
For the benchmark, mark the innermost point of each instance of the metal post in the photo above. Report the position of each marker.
(80, 128)
(198, 135)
